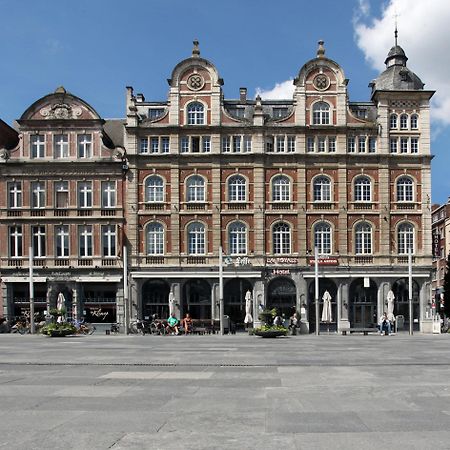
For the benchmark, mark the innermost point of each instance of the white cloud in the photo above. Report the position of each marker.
(424, 34)
(281, 91)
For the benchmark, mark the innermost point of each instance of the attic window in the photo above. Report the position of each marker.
(361, 113)
(155, 113)
(278, 113)
(237, 112)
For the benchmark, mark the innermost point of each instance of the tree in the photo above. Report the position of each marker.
(447, 288)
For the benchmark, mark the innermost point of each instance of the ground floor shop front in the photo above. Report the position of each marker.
(358, 299)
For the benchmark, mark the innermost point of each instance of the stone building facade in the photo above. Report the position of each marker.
(268, 181)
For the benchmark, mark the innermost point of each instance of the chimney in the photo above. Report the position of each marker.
(140, 98)
(243, 94)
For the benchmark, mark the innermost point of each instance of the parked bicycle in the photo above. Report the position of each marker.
(21, 327)
(86, 328)
(115, 328)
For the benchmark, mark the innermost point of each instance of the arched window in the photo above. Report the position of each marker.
(195, 114)
(363, 239)
(281, 239)
(154, 189)
(414, 122)
(405, 239)
(404, 122)
(155, 239)
(393, 121)
(237, 189)
(322, 189)
(363, 189)
(237, 238)
(321, 113)
(322, 238)
(405, 189)
(196, 238)
(195, 189)
(281, 189)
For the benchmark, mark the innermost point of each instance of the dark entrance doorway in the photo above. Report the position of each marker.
(363, 304)
(197, 299)
(401, 302)
(325, 284)
(155, 299)
(282, 296)
(234, 299)
(21, 299)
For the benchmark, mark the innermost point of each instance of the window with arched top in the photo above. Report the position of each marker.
(414, 120)
(155, 238)
(154, 189)
(393, 121)
(237, 238)
(363, 239)
(196, 238)
(405, 239)
(321, 113)
(281, 189)
(405, 189)
(322, 238)
(363, 189)
(281, 239)
(195, 114)
(404, 122)
(195, 189)
(237, 189)
(322, 189)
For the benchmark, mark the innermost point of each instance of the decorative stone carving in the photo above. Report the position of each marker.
(321, 82)
(61, 111)
(4, 154)
(195, 82)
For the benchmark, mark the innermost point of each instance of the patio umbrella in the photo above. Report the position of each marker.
(60, 303)
(390, 305)
(326, 309)
(248, 308)
(171, 303)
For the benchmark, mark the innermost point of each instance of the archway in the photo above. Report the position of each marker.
(197, 299)
(401, 302)
(325, 284)
(282, 294)
(234, 299)
(155, 299)
(363, 304)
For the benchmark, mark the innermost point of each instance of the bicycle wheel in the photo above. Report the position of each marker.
(91, 329)
(22, 330)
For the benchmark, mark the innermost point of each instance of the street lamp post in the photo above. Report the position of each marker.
(410, 294)
(30, 267)
(221, 315)
(316, 288)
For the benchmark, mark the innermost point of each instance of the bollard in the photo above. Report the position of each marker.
(108, 332)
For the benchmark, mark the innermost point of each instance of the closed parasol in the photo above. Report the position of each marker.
(248, 308)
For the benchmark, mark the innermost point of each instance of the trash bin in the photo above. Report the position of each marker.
(400, 322)
(226, 324)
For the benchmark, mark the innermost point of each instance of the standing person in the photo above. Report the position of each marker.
(187, 324)
(293, 323)
(172, 324)
(385, 323)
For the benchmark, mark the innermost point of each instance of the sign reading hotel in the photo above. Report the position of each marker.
(324, 261)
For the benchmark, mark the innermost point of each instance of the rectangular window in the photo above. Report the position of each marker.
(109, 240)
(226, 144)
(310, 144)
(351, 144)
(414, 145)
(165, 144)
(85, 194)
(361, 144)
(154, 145)
(195, 144)
(38, 146)
(291, 144)
(372, 144)
(85, 241)
(154, 114)
(332, 144)
(236, 144)
(15, 194)
(321, 144)
(184, 144)
(61, 189)
(280, 144)
(38, 194)
(269, 144)
(206, 144)
(247, 144)
(108, 194)
(84, 145)
(61, 146)
(62, 241)
(404, 145)
(38, 239)
(393, 145)
(15, 241)
(143, 145)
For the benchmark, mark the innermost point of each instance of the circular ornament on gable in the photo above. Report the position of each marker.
(195, 82)
(321, 82)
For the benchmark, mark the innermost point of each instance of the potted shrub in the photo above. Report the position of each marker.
(58, 329)
(268, 329)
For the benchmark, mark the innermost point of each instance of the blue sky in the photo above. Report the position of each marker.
(97, 47)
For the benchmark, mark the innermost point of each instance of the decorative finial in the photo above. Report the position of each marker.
(321, 50)
(60, 90)
(396, 30)
(195, 50)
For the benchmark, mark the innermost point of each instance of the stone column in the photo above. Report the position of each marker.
(259, 301)
(343, 305)
(215, 309)
(176, 290)
(425, 324)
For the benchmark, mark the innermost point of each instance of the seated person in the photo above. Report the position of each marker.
(278, 321)
(172, 324)
(385, 324)
(187, 324)
(293, 322)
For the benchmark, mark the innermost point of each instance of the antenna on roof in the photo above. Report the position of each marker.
(396, 30)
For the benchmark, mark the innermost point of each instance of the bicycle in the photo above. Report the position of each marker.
(115, 328)
(86, 328)
(21, 328)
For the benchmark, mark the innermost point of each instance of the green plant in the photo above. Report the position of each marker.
(266, 317)
(64, 327)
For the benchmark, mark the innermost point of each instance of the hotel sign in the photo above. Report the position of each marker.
(324, 261)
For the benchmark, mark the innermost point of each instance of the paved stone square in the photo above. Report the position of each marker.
(225, 392)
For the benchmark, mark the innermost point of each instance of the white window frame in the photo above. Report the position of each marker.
(393, 121)
(404, 189)
(363, 189)
(323, 238)
(281, 189)
(196, 238)
(15, 194)
(155, 239)
(37, 146)
(405, 238)
(38, 237)
(281, 238)
(154, 189)
(37, 195)
(237, 189)
(195, 113)
(322, 189)
(85, 241)
(15, 234)
(321, 113)
(61, 187)
(363, 239)
(84, 145)
(109, 194)
(109, 241)
(61, 146)
(195, 189)
(237, 238)
(62, 241)
(85, 194)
